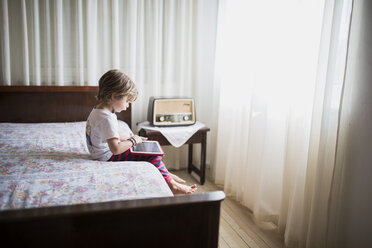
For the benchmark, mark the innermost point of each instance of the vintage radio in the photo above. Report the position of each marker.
(171, 111)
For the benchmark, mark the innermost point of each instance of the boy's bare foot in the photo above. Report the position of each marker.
(181, 189)
(177, 179)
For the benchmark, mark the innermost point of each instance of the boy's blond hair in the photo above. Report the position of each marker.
(115, 82)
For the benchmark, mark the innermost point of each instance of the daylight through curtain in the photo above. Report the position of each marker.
(280, 68)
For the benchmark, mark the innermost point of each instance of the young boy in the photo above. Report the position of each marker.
(106, 143)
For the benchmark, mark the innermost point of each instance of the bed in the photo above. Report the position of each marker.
(53, 194)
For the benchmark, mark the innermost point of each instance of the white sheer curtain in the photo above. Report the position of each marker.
(166, 47)
(280, 69)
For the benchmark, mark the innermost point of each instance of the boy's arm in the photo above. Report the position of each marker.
(119, 146)
(123, 136)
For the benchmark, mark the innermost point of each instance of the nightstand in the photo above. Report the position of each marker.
(199, 137)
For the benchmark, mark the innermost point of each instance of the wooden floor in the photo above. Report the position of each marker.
(237, 227)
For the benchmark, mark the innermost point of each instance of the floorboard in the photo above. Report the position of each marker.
(237, 226)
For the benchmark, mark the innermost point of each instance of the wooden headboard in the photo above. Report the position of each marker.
(27, 104)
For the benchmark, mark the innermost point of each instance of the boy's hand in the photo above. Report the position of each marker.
(139, 139)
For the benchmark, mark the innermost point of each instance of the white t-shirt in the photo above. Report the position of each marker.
(101, 126)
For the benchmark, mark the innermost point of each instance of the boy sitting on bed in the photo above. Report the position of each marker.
(106, 143)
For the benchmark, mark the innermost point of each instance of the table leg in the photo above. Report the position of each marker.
(202, 158)
(189, 168)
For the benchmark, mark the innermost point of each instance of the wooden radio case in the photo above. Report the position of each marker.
(171, 111)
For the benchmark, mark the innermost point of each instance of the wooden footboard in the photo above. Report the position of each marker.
(181, 221)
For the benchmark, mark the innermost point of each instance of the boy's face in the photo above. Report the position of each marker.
(120, 104)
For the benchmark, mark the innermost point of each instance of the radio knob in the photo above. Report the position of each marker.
(162, 118)
(186, 118)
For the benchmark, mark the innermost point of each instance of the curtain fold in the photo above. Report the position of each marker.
(4, 49)
(336, 47)
(280, 68)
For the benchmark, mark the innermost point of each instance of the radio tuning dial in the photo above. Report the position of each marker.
(186, 118)
(161, 118)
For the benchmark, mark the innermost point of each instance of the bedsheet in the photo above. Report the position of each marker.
(48, 164)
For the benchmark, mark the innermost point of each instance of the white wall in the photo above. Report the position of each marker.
(351, 220)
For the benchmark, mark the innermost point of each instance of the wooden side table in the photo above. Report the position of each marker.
(199, 137)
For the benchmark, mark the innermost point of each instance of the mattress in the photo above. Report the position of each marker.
(48, 164)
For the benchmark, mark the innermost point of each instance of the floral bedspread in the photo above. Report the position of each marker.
(48, 164)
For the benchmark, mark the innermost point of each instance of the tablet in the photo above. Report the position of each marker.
(148, 147)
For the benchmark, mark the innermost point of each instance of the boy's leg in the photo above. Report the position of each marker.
(158, 163)
(175, 186)
(177, 178)
(155, 160)
(163, 170)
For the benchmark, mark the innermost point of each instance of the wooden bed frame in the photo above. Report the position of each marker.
(181, 221)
